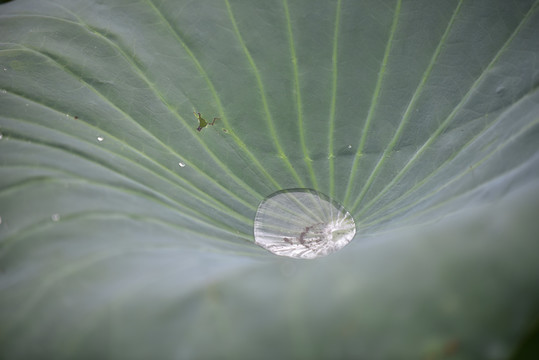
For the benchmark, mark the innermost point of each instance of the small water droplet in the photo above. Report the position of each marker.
(55, 217)
(303, 224)
(100, 138)
(181, 164)
(1, 136)
(5, 69)
(500, 90)
(349, 146)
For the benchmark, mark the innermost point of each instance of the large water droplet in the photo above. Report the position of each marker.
(303, 224)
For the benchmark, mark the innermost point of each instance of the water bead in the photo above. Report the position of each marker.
(303, 224)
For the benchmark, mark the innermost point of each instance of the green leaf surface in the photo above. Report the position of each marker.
(126, 233)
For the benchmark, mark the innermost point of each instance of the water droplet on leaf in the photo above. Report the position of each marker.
(181, 164)
(55, 217)
(303, 224)
(100, 138)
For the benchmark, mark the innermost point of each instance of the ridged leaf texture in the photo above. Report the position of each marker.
(127, 234)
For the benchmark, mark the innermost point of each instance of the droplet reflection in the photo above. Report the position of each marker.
(302, 223)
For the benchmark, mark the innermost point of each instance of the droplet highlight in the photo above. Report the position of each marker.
(302, 224)
(181, 164)
(100, 138)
